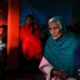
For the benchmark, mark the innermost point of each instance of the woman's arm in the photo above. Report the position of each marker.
(45, 67)
(49, 70)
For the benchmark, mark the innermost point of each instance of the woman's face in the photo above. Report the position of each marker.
(55, 30)
(29, 21)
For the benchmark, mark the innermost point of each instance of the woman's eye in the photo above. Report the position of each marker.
(55, 28)
(49, 28)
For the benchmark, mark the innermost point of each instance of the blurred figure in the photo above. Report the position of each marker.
(74, 26)
(3, 55)
(30, 41)
(44, 33)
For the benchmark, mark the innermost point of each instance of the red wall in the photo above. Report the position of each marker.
(13, 33)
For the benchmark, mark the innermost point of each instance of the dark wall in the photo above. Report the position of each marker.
(3, 11)
(42, 9)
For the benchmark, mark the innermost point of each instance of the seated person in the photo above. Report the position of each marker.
(30, 39)
(58, 60)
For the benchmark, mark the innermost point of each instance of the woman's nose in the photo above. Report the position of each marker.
(53, 31)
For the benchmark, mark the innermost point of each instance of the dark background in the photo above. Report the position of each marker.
(43, 9)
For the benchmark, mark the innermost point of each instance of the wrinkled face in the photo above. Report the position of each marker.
(54, 29)
(29, 21)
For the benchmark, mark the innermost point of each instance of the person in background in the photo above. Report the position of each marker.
(30, 41)
(3, 55)
(58, 60)
(44, 34)
(74, 26)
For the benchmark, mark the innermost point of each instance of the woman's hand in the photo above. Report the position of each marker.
(60, 74)
(57, 73)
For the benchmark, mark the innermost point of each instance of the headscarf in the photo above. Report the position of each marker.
(60, 52)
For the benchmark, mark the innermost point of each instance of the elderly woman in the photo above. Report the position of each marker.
(58, 60)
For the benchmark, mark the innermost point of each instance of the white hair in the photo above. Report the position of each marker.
(53, 19)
